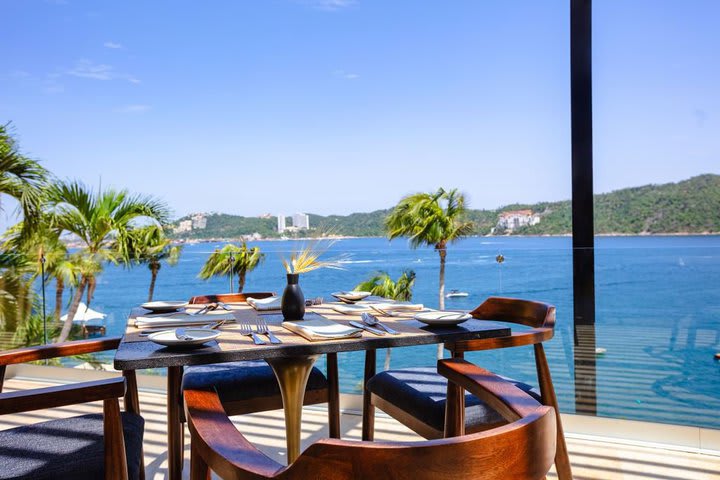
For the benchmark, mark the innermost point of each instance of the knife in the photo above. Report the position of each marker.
(367, 327)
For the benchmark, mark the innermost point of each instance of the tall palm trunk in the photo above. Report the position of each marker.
(91, 286)
(241, 280)
(65, 332)
(59, 290)
(154, 269)
(442, 251)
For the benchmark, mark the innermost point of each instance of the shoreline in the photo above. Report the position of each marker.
(350, 237)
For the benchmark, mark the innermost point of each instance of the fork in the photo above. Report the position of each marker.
(246, 329)
(263, 329)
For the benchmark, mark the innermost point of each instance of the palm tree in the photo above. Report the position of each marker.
(432, 219)
(150, 246)
(20, 177)
(382, 285)
(232, 260)
(101, 222)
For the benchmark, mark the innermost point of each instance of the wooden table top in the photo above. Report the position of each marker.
(135, 353)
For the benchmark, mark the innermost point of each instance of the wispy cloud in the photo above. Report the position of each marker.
(137, 108)
(98, 71)
(329, 5)
(346, 75)
(113, 45)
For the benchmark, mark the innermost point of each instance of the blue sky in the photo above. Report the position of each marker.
(335, 106)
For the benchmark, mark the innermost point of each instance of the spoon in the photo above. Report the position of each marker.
(372, 320)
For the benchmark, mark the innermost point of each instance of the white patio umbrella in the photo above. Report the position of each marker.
(85, 314)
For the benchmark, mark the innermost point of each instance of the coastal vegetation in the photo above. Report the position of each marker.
(686, 207)
(232, 260)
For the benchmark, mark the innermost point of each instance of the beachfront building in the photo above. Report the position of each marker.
(301, 220)
(517, 218)
(281, 223)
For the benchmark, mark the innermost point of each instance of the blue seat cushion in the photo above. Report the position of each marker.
(421, 392)
(237, 381)
(69, 448)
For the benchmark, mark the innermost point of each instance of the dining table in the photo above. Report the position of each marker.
(291, 360)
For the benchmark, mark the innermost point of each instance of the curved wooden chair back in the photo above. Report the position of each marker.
(228, 297)
(521, 450)
(537, 315)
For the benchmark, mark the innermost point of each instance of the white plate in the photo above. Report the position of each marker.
(199, 337)
(163, 306)
(350, 297)
(442, 318)
(352, 309)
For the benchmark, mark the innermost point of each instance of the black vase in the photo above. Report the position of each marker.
(293, 300)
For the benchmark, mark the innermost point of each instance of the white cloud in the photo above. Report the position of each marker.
(113, 45)
(346, 75)
(137, 108)
(98, 71)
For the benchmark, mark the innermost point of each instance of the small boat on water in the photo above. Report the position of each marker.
(456, 294)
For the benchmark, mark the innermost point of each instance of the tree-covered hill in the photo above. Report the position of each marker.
(689, 206)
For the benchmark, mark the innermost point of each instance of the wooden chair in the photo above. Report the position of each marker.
(521, 450)
(417, 397)
(250, 386)
(107, 445)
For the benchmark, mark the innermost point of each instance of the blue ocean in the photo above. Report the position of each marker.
(658, 310)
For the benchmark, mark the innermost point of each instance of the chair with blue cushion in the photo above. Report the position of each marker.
(84, 447)
(250, 386)
(423, 400)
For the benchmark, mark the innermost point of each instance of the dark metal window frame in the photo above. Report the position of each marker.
(583, 233)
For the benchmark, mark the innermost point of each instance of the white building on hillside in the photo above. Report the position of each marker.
(517, 218)
(199, 221)
(184, 226)
(281, 223)
(301, 220)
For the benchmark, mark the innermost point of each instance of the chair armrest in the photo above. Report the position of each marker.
(53, 350)
(50, 397)
(515, 339)
(217, 440)
(504, 397)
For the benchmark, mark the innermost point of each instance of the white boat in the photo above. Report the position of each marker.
(456, 294)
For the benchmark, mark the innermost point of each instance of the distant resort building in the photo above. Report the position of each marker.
(183, 226)
(301, 220)
(281, 223)
(517, 218)
(199, 221)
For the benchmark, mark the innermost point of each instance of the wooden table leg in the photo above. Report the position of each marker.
(333, 395)
(174, 427)
(368, 420)
(292, 375)
(132, 404)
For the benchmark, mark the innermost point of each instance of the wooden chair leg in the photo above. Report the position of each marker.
(115, 460)
(368, 420)
(454, 407)
(198, 467)
(176, 431)
(562, 460)
(333, 395)
(132, 404)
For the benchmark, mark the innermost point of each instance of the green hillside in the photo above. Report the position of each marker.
(689, 206)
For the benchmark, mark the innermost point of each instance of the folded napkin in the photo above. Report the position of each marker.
(183, 319)
(319, 328)
(270, 303)
(352, 309)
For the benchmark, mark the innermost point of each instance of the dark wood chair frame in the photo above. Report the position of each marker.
(537, 315)
(106, 390)
(522, 449)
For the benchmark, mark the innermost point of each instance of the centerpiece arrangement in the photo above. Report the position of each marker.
(303, 261)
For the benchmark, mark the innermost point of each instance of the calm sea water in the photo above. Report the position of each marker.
(658, 310)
